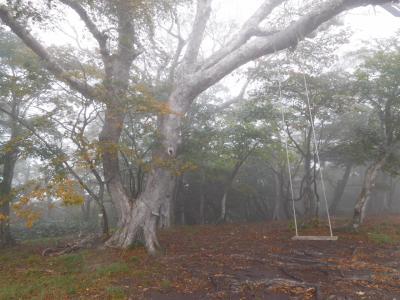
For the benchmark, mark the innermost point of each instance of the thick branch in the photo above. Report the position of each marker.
(99, 36)
(39, 50)
(199, 26)
(283, 39)
(126, 47)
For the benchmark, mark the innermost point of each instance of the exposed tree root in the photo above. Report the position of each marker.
(88, 242)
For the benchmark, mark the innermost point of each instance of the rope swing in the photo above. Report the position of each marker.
(331, 237)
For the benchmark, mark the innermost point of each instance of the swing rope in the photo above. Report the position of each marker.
(307, 94)
(317, 153)
(287, 157)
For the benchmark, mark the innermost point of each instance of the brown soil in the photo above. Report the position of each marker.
(232, 261)
(260, 261)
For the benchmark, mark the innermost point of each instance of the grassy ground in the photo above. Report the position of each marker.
(235, 261)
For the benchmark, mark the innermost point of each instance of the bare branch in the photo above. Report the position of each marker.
(294, 140)
(178, 51)
(250, 28)
(100, 37)
(236, 99)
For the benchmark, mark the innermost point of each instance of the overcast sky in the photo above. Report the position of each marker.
(366, 22)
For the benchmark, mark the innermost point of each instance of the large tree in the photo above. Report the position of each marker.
(119, 40)
(377, 89)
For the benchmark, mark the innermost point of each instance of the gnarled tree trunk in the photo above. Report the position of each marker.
(139, 218)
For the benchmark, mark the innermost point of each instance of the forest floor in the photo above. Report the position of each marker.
(233, 261)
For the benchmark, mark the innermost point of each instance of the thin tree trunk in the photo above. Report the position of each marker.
(339, 189)
(387, 193)
(392, 193)
(317, 199)
(230, 180)
(222, 217)
(260, 206)
(278, 198)
(10, 159)
(202, 198)
(308, 194)
(85, 208)
(104, 224)
(364, 196)
(228, 186)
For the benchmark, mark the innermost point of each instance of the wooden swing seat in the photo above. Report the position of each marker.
(314, 238)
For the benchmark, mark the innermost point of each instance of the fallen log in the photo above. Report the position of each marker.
(85, 243)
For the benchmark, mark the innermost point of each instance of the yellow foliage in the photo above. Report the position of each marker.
(12, 144)
(3, 217)
(28, 215)
(24, 210)
(67, 192)
(63, 188)
(151, 104)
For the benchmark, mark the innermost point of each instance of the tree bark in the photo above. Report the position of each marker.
(139, 218)
(104, 224)
(364, 196)
(339, 189)
(10, 159)
(109, 140)
(228, 186)
(5, 198)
